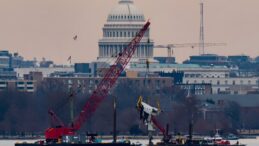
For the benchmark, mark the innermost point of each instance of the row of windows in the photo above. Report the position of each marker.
(19, 88)
(196, 87)
(120, 34)
(4, 61)
(18, 83)
(203, 76)
(22, 83)
(1, 83)
(158, 82)
(147, 82)
(23, 88)
(226, 82)
(126, 17)
(199, 92)
(113, 52)
(3, 88)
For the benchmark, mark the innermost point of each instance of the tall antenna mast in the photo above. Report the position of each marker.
(201, 49)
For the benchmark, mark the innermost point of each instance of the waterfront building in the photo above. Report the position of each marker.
(176, 75)
(36, 76)
(6, 69)
(123, 23)
(190, 70)
(82, 68)
(7, 74)
(196, 89)
(5, 59)
(218, 76)
(28, 83)
(208, 60)
(45, 71)
(237, 59)
(17, 60)
(46, 63)
(18, 85)
(246, 66)
(88, 84)
(228, 85)
(168, 60)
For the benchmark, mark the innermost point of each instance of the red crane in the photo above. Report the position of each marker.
(53, 134)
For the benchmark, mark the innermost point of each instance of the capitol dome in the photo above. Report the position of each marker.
(123, 23)
(126, 11)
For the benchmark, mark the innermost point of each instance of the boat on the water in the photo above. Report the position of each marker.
(199, 142)
(216, 140)
(232, 137)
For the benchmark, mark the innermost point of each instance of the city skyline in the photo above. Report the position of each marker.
(46, 28)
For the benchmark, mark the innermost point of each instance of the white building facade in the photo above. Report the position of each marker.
(190, 70)
(217, 76)
(227, 85)
(123, 23)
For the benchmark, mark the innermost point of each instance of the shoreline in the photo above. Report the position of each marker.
(109, 137)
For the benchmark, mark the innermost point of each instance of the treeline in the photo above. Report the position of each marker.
(27, 112)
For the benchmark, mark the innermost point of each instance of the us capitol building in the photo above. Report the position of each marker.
(123, 23)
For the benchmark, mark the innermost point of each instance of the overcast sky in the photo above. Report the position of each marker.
(45, 28)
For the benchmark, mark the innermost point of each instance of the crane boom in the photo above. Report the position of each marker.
(162, 129)
(109, 79)
(102, 89)
(170, 47)
(55, 119)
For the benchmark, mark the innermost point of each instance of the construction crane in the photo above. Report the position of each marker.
(102, 90)
(170, 47)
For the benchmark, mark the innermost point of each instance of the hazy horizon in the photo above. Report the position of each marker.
(45, 28)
